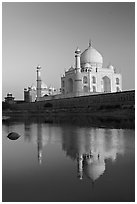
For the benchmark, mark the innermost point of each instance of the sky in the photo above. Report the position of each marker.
(48, 33)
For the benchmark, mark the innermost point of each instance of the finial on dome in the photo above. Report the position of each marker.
(90, 43)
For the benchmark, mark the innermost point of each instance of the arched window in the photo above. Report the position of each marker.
(85, 89)
(70, 85)
(118, 89)
(85, 80)
(107, 84)
(117, 80)
(94, 89)
(93, 80)
(63, 83)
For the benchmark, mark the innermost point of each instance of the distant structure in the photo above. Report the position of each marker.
(35, 93)
(88, 76)
(9, 98)
(30, 94)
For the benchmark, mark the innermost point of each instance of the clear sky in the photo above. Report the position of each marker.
(48, 33)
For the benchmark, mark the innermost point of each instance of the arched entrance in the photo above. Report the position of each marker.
(70, 85)
(106, 84)
(85, 89)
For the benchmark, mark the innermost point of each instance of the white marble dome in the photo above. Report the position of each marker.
(91, 55)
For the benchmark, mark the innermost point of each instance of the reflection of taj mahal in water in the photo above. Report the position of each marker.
(90, 148)
(93, 149)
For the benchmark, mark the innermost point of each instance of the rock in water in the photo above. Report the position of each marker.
(13, 136)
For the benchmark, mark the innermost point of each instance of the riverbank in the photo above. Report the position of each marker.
(111, 118)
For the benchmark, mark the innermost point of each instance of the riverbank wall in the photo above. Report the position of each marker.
(110, 105)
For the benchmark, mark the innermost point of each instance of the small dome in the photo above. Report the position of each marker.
(43, 85)
(38, 67)
(71, 68)
(78, 51)
(91, 55)
(110, 66)
(9, 94)
(51, 88)
(87, 65)
(33, 87)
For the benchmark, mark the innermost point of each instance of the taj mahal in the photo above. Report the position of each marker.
(86, 77)
(89, 75)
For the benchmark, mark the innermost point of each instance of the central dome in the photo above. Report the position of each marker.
(91, 55)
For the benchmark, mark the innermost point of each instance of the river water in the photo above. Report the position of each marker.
(66, 162)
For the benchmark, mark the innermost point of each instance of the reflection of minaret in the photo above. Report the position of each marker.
(27, 129)
(39, 142)
(80, 166)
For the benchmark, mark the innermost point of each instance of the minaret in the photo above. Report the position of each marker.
(78, 80)
(39, 142)
(38, 83)
(77, 57)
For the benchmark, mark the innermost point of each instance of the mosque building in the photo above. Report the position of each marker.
(89, 76)
(41, 90)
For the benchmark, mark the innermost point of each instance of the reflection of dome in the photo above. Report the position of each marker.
(95, 170)
(91, 55)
